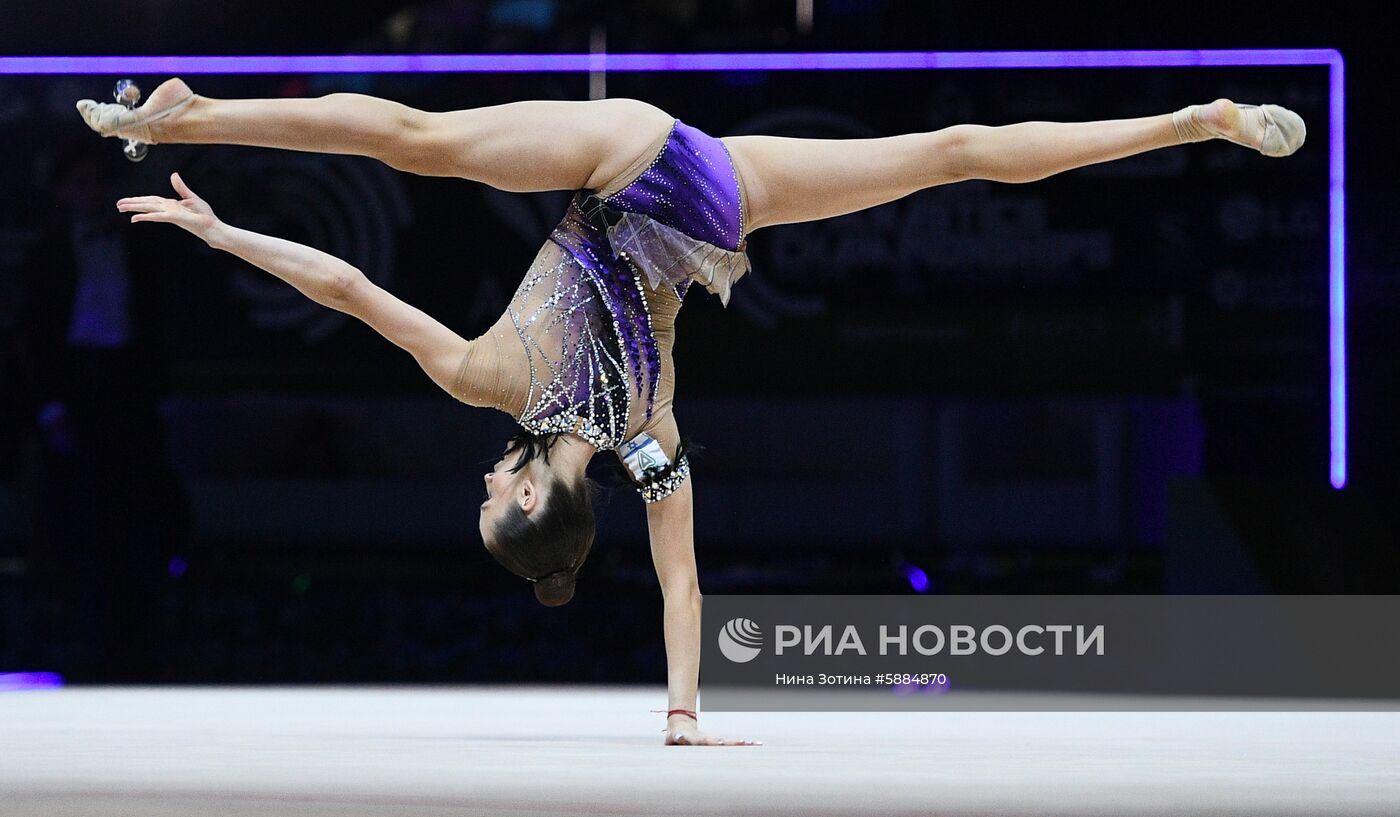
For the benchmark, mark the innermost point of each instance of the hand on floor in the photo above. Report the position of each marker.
(682, 731)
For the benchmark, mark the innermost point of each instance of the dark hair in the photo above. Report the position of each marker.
(548, 545)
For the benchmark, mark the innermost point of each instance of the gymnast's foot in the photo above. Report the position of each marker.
(149, 123)
(1270, 129)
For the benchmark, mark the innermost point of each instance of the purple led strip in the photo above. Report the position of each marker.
(15, 681)
(509, 63)
(852, 61)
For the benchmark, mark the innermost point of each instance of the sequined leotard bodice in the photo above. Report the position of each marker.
(585, 344)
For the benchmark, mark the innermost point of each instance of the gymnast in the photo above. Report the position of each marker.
(581, 358)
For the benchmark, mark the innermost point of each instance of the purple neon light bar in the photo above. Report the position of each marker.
(16, 681)
(528, 63)
(851, 61)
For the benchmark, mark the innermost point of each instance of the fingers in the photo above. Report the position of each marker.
(149, 208)
(145, 204)
(181, 188)
(142, 205)
(682, 739)
(709, 741)
(158, 206)
(156, 215)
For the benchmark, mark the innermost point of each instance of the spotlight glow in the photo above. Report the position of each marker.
(918, 579)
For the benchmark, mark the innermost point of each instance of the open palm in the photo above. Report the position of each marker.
(189, 211)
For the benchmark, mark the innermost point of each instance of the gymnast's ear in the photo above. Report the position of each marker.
(528, 495)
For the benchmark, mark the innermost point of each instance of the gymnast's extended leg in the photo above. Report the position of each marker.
(520, 146)
(790, 180)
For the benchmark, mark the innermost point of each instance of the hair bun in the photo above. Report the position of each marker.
(555, 589)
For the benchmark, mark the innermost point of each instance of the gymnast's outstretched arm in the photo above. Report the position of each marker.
(671, 527)
(322, 277)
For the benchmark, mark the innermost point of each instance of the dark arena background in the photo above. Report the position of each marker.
(1127, 379)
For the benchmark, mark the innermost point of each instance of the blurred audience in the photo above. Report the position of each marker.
(107, 510)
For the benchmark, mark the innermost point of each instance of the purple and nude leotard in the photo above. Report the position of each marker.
(595, 313)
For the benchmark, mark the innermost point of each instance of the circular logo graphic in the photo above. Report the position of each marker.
(740, 640)
(351, 207)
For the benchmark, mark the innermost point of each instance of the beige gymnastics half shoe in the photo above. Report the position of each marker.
(1273, 130)
(112, 119)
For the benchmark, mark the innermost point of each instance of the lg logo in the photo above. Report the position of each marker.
(740, 640)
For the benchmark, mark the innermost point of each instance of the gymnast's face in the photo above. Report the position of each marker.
(504, 489)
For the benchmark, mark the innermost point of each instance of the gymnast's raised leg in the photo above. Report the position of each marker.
(519, 146)
(789, 180)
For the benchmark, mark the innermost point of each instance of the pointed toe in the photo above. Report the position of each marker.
(87, 108)
(110, 119)
(1286, 132)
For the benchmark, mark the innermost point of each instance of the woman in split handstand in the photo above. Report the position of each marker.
(582, 356)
